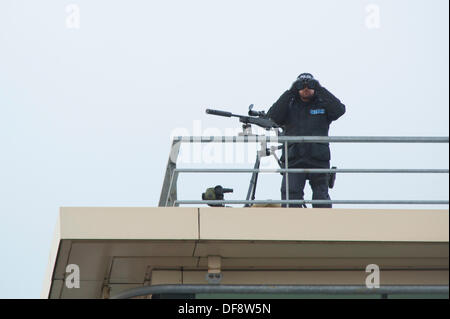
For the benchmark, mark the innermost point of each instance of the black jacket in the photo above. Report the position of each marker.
(312, 118)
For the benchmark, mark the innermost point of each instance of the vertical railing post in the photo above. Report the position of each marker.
(169, 188)
(170, 200)
(286, 167)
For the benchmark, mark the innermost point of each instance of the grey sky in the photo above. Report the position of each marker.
(86, 114)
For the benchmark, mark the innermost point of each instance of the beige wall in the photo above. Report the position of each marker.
(123, 247)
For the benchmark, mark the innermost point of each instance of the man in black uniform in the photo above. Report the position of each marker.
(306, 109)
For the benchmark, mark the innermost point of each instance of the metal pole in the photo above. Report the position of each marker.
(252, 187)
(280, 289)
(311, 170)
(175, 173)
(316, 201)
(314, 139)
(286, 167)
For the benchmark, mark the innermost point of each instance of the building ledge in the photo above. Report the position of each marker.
(121, 245)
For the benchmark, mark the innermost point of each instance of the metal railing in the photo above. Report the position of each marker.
(282, 289)
(169, 189)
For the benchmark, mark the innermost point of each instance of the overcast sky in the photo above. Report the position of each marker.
(90, 94)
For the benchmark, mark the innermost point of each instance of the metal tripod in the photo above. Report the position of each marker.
(264, 151)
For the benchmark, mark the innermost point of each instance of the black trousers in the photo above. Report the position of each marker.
(297, 181)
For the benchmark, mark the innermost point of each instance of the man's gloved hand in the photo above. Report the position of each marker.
(293, 89)
(288, 95)
(320, 93)
(324, 95)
